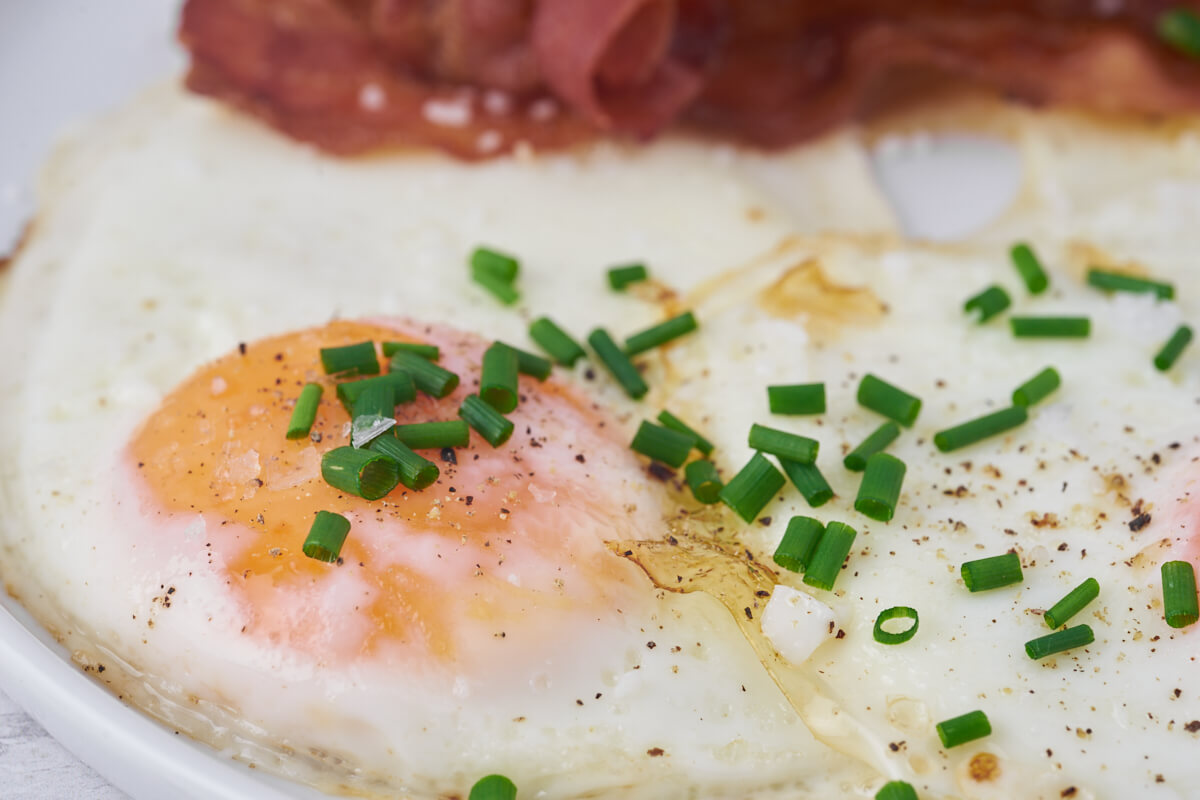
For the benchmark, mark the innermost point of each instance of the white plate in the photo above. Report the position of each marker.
(61, 61)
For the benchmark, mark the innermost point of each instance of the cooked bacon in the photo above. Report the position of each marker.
(476, 77)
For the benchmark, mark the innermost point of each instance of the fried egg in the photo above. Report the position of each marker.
(551, 609)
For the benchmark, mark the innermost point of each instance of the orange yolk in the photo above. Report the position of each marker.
(509, 538)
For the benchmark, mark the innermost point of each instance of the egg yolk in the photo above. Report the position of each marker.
(508, 542)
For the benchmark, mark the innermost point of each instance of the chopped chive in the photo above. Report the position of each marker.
(374, 413)
(662, 444)
(992, 572)
(351, 359)
(783, 444)
(617, 363)
(620, 277)
(896, 790)
(555, 341)
(429, 351)
(797, 398)
(809, 480)
(531, 364)
(896, 612)
(362, 473)
(304, 414)
(799, 542)
(1050, 327)
(883, 398)
(1072, 604)
(493, 787)
(967, 728)
(1173, 347)
(1057, 642)
(498, 378)
(501, 289)
(1180, 28)
(1179, 594)
(990, 302)
(703, 480)
(1120, 282)
(401, 384)
(826, 562)
(430, 378)
(430, 435)
(880, 487)
(487, 421)
(1037, 388)
(326, 536)
(416, 472)
(660, 334)
(1029, 268)
(980, 428)
(748, 492)
(885, 434)
(673, 422)
(502, 265)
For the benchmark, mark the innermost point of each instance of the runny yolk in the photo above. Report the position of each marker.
(509, 537)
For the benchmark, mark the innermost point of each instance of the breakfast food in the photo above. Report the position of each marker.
(815, 514)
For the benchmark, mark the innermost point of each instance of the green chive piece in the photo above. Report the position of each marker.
(351, 359)
(1120, 282)
(797, 398)
(430, 378)
(493, 787)
(531, 364)
(1037, 388)
(431, 435)
(885, 434)
(1072, 604)
(502, 265)
(429, 351)
(826, 562)
(883, 398)
(555, 341)
(703, 480)
(362, 473)
(753, 487)
(1057, 642)
(798, 544)
(1180, 28)
(980, 428)
(880, 487)
(660, 334)
(374, 413)
(498, 378)
(617, 363)
(1171, 350)
(416, 472)
(896, 612)
(992, 572)
(809, 480)
(1029, 268)
(326, 536)
(1179, 594)
(896, 790)
(990, 302)
(1050, 327)
(662, 444)
(487, 421)
(783, 444)
(304, 414)
(501, 289)
(401, 384)
(967, 728)
(673, 422)
(620, 277)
